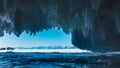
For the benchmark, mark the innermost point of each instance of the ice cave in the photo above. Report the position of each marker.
(94, 24)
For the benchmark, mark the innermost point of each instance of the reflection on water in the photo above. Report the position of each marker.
(59, 60)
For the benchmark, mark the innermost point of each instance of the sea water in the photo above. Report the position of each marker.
(50, 58)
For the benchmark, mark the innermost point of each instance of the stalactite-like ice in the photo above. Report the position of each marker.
(94, 24)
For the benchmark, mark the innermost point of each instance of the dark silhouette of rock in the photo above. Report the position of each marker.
(2, 48)
(10, 48)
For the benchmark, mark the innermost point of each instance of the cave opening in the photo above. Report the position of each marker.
(47, 39)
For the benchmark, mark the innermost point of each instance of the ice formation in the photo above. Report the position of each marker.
(94, 24)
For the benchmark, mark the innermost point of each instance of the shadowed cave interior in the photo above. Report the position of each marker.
(94, 24)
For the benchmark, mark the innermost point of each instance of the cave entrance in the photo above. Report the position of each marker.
(47, 39)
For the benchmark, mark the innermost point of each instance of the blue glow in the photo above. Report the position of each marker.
(51, 37)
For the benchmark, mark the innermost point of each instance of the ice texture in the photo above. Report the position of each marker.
(94, 24)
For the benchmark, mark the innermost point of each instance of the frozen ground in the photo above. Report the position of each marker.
(59, 60)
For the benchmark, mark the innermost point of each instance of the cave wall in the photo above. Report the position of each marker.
(94, 24)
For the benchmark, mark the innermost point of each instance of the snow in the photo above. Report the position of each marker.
(47, 50)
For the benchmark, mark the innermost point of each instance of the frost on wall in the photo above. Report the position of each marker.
(94, 24)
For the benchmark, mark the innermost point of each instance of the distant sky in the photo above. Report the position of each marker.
(51, 37)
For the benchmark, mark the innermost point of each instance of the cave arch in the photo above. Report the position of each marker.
(94, 24)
